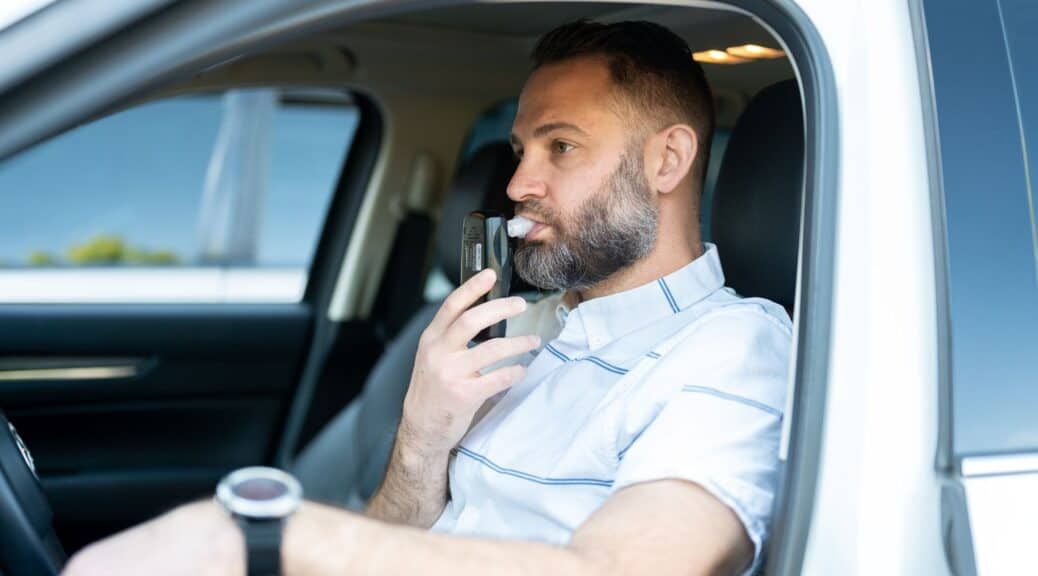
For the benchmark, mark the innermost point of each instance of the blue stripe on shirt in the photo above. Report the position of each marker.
(712, 392)
(734, 398)
(668, 295)
(594, 360)
(555, 352)
(605, 365)
(531, 477)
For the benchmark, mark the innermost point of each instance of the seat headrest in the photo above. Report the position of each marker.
(480, 183)
(755, 217)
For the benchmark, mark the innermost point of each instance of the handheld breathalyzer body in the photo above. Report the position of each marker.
(485, 244)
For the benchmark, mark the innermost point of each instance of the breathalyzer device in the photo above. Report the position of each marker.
(485, 244)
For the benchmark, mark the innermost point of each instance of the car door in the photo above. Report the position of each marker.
(161, 268)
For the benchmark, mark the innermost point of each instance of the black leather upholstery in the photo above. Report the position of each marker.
(756, 209)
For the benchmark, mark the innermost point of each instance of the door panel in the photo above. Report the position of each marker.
(211, 388)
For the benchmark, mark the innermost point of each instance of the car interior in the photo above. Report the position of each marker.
(317, 386)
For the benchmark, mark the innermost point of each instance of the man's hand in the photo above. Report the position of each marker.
(446, 389)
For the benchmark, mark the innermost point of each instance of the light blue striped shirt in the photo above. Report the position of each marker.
(678, 378)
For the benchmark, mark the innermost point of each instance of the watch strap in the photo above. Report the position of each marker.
(262, 545)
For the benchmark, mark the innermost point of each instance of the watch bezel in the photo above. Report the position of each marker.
(280, 507)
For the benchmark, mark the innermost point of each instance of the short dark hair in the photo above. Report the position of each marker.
(653, 68)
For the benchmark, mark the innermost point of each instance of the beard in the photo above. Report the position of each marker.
(614, 228)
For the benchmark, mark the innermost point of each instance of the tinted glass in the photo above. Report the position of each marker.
(987, 123)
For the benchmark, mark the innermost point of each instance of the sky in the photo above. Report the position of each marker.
(140, 173)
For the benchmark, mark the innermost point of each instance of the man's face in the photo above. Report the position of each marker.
(581, 178)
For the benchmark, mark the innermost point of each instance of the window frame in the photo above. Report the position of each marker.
(813, 312)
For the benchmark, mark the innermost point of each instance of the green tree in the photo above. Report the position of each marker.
(112, 249)
(41, 258)
(101, 249)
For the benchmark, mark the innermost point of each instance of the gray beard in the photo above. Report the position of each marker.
(611, 230)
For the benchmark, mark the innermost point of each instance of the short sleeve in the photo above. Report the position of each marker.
(721, 420)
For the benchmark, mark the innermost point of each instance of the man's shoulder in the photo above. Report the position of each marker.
(729, 332)
(727, 311)
(736, 345)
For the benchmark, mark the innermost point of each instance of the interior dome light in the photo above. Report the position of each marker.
(755, 52)
(717, 57)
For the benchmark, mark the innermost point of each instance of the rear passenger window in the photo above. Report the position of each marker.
(216, 197)
(986, 94)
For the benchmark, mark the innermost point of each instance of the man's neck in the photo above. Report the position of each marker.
(664, 259)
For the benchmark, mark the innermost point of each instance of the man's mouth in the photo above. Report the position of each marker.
(538, 226)
(537, 229)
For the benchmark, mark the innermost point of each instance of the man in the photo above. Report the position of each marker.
(642, 438)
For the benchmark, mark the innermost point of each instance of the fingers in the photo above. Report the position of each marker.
(479, 317)
(496, 350)
(498, 380)
(460, 300)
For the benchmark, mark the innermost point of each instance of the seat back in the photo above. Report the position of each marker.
(755, 217)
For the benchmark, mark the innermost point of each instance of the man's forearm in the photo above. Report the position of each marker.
(321, 541)
(414, 490)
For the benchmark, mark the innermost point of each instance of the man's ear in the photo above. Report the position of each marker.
(674, 149)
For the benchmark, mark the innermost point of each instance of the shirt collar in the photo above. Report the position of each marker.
(604, 319)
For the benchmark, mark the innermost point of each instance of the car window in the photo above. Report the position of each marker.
(987, 116)
(216, 197)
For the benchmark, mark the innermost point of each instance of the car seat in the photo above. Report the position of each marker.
(755, 215)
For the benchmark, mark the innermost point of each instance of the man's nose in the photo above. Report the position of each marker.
(525, 184)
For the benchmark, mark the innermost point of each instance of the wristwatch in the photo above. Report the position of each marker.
(260, 499)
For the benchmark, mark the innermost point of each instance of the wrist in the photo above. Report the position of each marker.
(317, 541)
(416, 445)
(225, 545)
(257, 500)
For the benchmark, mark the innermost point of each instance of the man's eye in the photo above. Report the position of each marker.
(560, 147)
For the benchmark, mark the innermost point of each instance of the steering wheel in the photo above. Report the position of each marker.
(28, 544)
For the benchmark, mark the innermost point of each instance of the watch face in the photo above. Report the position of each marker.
(259, 492)
(261, 489)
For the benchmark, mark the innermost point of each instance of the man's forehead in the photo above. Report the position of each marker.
(573, 93)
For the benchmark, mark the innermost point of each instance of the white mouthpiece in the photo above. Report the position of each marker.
(519, 227)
